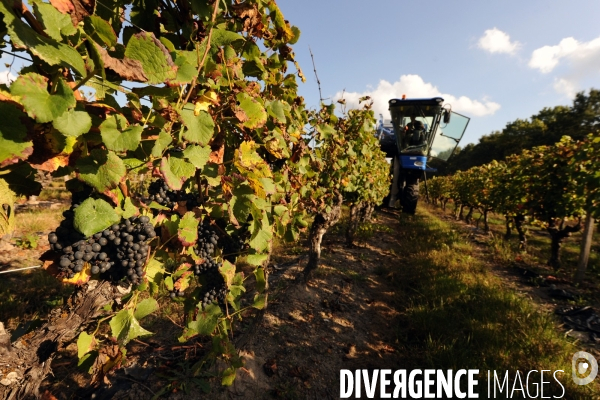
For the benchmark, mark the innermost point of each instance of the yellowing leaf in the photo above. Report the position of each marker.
(80, 277)
(205, 101)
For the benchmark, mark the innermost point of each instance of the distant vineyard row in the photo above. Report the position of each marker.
(556, 187)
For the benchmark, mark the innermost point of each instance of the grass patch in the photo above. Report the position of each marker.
(38, 221)
(456, 314)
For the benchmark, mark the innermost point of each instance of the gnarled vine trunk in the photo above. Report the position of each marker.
(322, 222)
(359, 213)
(508, 223)
(557, 236)
(519, 226)
(28, 359)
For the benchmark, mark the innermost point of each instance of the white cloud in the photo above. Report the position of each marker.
(579, 60)
(496, 41)
(6, 77)
(547, 57)
(414, 87)
(566, 87)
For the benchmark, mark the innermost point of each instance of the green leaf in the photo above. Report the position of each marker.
(186, 72)
(211, 173)
(197, 155)
(156, 60)
(94, 216)
(164, 140)
(276, 109)
(251, 114)
(227, 271)
(125, 327)
(188, 229)
(85, 343)
(222, 37)
(154, 270)
(260, 300)
(103, 170)
(204, 324)
(55, 23)
(129, 209)
(176, 171)
(47, 49)
(73, 123)
(228, 376)
(118, 136)
(145, 307)
(200, 128)
(39, 104)
(13, 135)
(256, 259)
(261, 283)
(22, 179)
(100, 31)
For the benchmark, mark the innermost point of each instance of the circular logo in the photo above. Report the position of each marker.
(584, 363)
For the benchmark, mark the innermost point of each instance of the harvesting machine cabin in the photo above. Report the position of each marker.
(419, 130)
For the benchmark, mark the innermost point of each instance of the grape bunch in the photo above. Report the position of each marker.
(205, 248)
(160, 192)
(123, 245)
(131, 246)
(214, 288)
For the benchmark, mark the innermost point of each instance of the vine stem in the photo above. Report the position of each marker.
(208, 39)
(316, 76)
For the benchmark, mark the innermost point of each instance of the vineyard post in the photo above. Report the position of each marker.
(586, 245)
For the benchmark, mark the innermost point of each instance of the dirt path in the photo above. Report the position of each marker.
(343, 319)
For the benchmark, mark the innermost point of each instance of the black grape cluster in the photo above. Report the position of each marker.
(160, 192)
(117, 252)
(205, 248)
(214, 288)
(232, 247)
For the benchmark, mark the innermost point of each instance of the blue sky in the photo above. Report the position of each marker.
(493, 61)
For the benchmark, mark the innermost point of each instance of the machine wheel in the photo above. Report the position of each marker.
(410, 195)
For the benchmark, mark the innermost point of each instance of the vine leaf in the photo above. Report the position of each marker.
(129, 209)
(47, 49)
(250, 112)
(73, 123)
(21, 179)
(200, 128)
(222, 37)
(156, 60)
(125, 327)
(277, 109)
(204, 324)
(160, 144)
(94, 216)
(188, 229)
(126, 68)
(13, 135)
(261, 282)
(103, 170)
(197, 155)
(227, 270)
(176, 171)
(55, 23)
(145, 307)
(118, 136)
(85, 344)
(100, 31)
(81, 277)
(38, 103)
